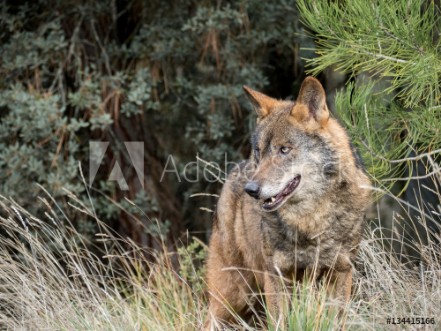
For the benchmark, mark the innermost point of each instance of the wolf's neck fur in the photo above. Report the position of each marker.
(314, 216)
(308, 217)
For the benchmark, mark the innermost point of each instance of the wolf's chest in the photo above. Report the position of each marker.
(289, 249)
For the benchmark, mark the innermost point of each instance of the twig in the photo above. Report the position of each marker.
(385, 57)
(410, 158)
(430, 174)
(204, 194)
(206, 209)
(401, 201)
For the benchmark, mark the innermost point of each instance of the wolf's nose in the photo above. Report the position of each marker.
(253, 189)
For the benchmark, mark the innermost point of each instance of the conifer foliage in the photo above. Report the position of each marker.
(393, 52)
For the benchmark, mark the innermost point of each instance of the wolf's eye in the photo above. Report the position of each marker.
(257, 155)
(285, 150)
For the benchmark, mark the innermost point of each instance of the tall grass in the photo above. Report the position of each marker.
(52, 278)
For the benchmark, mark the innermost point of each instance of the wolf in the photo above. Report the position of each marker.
(295, 207)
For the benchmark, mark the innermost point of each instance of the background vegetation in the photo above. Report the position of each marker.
(170, 74)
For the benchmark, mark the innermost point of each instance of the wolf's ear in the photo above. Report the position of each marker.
(312, 95)
(262, 103)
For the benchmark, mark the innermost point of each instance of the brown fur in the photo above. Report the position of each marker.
(318, 227)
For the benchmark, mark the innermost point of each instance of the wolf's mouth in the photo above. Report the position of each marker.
(276, 201)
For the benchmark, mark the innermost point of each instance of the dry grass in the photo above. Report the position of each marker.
(50, 281)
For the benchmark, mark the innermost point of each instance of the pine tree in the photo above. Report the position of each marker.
(392, 103)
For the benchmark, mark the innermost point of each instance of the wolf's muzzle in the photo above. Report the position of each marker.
(253, 189)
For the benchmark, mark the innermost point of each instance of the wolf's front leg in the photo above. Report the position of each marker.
(340, 276)
(229, 291)
(341, 284)
(273, 288)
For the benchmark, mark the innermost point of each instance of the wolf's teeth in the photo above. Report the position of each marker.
(273, 199)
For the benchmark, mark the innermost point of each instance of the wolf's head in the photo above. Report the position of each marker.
(297, 149)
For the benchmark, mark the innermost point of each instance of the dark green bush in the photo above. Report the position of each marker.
(168, 73)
